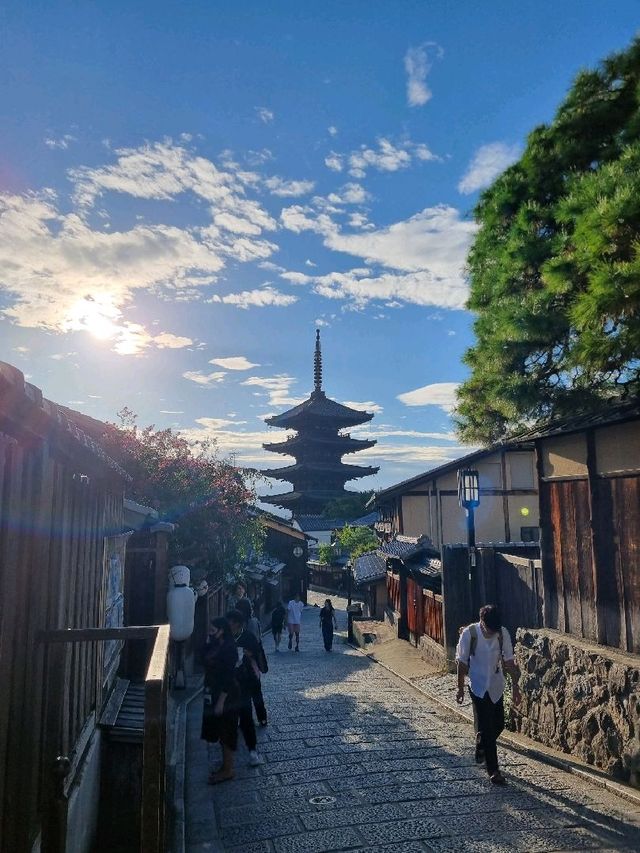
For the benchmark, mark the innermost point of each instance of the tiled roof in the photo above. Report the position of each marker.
(319, 522)
(370, 567)
(318, 405)
(406, 546)
(364, 520)
(614, 412)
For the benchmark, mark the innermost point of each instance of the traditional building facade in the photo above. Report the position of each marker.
(318, 445)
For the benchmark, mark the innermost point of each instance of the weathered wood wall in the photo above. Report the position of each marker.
(58, 503)
(512, 581)
(590, 520)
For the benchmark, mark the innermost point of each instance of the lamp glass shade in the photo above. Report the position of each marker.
(468, 488)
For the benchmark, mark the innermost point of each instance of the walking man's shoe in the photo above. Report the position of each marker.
(255, 760)
(498, 779)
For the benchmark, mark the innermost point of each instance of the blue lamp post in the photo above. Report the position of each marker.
(469, 499)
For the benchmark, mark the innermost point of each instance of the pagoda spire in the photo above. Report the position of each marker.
(317, 365)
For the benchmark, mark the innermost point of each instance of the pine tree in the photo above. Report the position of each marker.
(554, 268)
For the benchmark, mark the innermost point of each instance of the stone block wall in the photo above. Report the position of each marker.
(580, 698)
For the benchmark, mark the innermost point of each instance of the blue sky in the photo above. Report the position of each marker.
(188, 189)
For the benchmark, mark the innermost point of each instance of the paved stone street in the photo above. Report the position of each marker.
(356, 760)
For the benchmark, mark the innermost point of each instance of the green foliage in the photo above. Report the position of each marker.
(206, 497)
(357, 540)
(349, 507)
(554, 268)
(325, 553)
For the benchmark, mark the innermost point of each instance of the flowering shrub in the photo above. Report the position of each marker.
(208, 498)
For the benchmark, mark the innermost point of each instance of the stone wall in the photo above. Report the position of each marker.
(582, 699)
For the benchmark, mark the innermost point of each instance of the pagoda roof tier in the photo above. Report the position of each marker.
(343, 443)
(319, 410)
(349, 472)
(296, 500)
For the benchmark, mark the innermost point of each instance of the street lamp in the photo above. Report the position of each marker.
(469, 499)
(349, 582)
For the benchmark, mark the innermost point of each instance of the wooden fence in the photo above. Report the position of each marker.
(154, 782)
(393, 591)
(422, 608)
(512, 581)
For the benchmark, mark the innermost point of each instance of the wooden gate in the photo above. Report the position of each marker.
(415, 609)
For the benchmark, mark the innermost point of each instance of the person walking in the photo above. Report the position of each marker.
(252, 626)
(246, 675)
(221, 697)
(294, 619)
(278, 618)
(328, 622)
(484, 652)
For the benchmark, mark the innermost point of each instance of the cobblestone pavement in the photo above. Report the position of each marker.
(358, 761)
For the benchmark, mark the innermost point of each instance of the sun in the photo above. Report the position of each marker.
(94, 316)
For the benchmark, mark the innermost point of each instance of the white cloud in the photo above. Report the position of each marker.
(333, 131)
(334, 162)
(369, 406)
(436, 239)
(206, 379)
(288, 189)
(387, 157)
(442, 394)
(309, 263)
(296, 277)
(265, 115)
(488, 162)
(168, 341)
(259, 298)
(62, 274)
(276, 388)
(350, 193)
(297, 218)
(61, 142)
(218, 423)
(236, 362)
(417, 64)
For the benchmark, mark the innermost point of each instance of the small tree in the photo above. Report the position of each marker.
(325, 554)
(357, 540)
(351, 506)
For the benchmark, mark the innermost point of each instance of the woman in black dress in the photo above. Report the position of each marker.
(328, 622)
(221, 696)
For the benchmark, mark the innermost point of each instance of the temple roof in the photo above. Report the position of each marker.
(344, 443)
(319, 409)
(349, 472)
(295, 498)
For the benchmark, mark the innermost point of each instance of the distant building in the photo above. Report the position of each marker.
(428, 504)
(318, 475)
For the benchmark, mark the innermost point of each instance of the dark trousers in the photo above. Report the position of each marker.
(327, 636)
(488, 720)
(247, 726)
(258, 702)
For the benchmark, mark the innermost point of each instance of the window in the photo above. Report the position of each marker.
(521, 465)
(529, 534)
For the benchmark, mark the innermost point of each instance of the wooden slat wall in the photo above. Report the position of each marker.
(432, 619)
(591, 556)
(393, 590)
(52, 529)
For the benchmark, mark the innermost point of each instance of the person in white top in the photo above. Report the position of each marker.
(484, 652)
(294, 618)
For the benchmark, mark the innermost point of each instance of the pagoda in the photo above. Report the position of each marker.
(318, 445)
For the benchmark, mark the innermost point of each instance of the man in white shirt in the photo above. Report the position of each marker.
(294, 618)
(484, 652)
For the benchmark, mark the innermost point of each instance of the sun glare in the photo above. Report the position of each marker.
(95, 317)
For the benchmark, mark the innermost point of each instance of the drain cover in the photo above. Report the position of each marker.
(322, 801)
